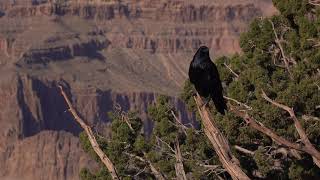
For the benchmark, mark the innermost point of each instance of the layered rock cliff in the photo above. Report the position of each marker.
(105, 53)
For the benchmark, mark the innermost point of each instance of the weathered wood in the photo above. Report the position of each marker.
(181, 174)
(94, 144)
(220, 143)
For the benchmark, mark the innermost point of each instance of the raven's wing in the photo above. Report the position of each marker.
(192, 73)
(213, 76)
(216, 88)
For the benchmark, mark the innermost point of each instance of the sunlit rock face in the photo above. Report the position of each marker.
(104, 53)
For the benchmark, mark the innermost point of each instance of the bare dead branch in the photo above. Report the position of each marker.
(307, 118)
(274, 59)
(141, 171)
(286, 152)
(124, 115)
(220, 143)
(278, 42)
(260, 127)
(229, 68)
(126, 119)
(238, 102)
(154, 170)
(295, 153)
(184, 127)
(168, 145)
(215, 169)
(179, 124)
(314, 2)
(181, 174)
(208, 166)
(304, 138)
(94, 144)
(278, 139)
(243, 150)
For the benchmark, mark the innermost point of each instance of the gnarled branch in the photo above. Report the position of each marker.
(304, 138)
(278, 139)
(94, 144)
(220, 143)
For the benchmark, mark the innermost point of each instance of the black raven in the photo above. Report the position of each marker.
(204, 75)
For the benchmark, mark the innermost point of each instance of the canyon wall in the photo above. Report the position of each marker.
(104, 53)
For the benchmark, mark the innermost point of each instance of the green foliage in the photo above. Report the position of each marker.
(187, 96)
(123, 139)
(262, 161)
(163, 136)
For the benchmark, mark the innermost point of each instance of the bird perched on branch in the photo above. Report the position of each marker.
(204, 75)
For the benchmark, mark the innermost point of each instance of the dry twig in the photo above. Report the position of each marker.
(154, 171)
(237, 102)
(229, 68)
(179, 124)
(284, 57)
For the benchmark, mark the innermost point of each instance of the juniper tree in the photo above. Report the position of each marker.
(123, 147)
(199, 159)
(280, 56)
(133, 153)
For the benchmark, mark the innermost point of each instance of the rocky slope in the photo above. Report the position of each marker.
(105, 53)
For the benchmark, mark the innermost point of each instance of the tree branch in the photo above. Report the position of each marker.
(181, 174)
(239, 103)
(314, 2)
(168, 145)
(123, 115)
(94, 144)
(299, 128)
(278, 139)
(180, 125)
(220, 143)
(154, 171)
(229, 68)
(243, 150)
(278, 42)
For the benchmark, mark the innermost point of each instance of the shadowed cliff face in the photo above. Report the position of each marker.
(106, 54)
(34, 116)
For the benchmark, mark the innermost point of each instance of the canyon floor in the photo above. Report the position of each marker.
(105, 53)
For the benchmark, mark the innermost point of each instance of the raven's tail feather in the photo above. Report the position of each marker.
(220, 104)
